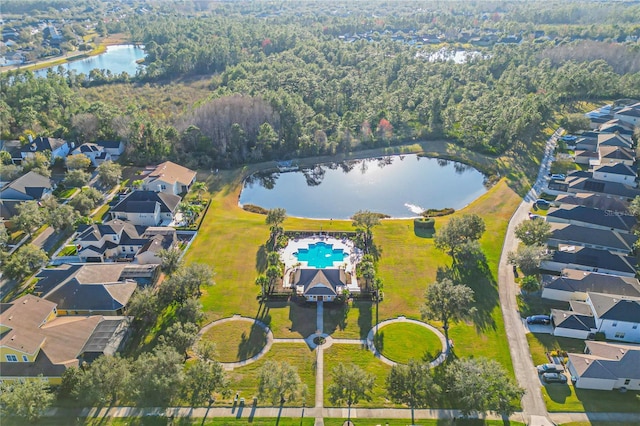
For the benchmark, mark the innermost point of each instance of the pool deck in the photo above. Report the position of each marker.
(354, 255)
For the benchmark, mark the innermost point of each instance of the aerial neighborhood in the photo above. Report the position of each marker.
(86, 294)
(592, 241)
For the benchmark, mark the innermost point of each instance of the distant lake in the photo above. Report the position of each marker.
(399, 186)
(117, 59)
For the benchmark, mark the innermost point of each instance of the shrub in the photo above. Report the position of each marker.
(424, 223)
(255, 209)
(600, 336)
(438, 212)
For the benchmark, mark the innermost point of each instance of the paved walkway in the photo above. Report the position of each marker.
(371, 341)
(320, 317)
(534, 407)
(329, 412)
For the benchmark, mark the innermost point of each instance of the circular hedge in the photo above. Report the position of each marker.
(424, 223)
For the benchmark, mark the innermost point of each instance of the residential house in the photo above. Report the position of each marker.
(618, 317)
(590, 260)
(619, 173)
(587, 157)
(578, 323)
(595, 201)
(159, 238)
(583, 182)
(582, 236)
(94, 152)
(318, 285)
(617, 126)
(592, 218)
(574, 285)
(120, 240)
(147, 208)
(169, 178)
(614, 139)
(113, 148)
(59, 148)
(13, 148)
(629, 115)
(616, 155)
(587, 143)
(606, 366)
(91, 289)
(30, 186)
(34, 341)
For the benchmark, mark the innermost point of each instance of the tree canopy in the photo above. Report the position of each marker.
(445, 301)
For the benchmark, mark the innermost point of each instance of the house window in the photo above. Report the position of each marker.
(25, 358)
(635, 326)
(619, 335)
(627, 381)
(131, 249)
(12, 358)
(163, 187)
(615, 324)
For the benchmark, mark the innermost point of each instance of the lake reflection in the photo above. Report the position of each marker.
(399, 186)
(117, 59)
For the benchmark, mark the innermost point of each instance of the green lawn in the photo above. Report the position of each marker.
(364, 359)
(401, 342)
(236, 340)
(426, 422)
(231, 241)
(245, 379)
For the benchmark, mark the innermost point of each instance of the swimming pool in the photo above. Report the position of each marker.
(320, 255)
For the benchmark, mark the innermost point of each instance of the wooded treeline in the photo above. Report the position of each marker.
(286, 86)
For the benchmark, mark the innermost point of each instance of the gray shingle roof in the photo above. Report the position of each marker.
(319, 281)
(616, 307)
(587, 215)
(572, 320)
(582, 235)
(584, 282)
(594, 258)
(133, 202)
(31, 184)
(618, 169)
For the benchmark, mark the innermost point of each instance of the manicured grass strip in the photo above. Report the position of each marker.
(424, 422)
(567, 398)
(236, 340)
(540, 343)
(349, 321)
(401, 342)
(245, 379)
(364, 359)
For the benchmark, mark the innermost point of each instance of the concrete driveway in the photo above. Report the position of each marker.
(537, 328)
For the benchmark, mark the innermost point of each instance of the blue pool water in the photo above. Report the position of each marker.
(320, 255)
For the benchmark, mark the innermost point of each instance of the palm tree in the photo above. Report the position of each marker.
(263, 281)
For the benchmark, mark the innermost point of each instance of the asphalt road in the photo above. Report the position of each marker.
(533, 405)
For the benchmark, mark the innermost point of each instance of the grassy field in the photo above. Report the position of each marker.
(401, 342)
(364, 359)
(567, 398)
(231, 241)
(236, 340)
(256, 421)
(245, 379)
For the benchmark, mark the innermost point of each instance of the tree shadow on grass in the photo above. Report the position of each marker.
(302, 316)
(261, 259)
(378, 340)
(335, 317)
(472, 270)
(365, 317)
(252, 344)
(558, 392)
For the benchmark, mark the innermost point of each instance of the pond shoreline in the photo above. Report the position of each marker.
(101, 48)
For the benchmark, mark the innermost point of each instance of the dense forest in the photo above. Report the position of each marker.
(291, 80)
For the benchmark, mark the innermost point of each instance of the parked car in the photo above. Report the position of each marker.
(539, 319)
(542, 203)
(554, 378)
(535, 217)
(558, 176)
(550, 368)
(569, 138)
